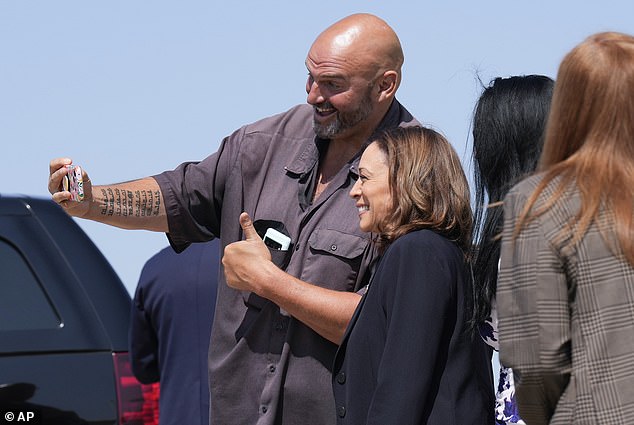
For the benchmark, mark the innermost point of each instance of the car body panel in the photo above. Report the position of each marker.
(63, 313)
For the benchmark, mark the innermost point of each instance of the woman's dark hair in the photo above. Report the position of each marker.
(508, 135)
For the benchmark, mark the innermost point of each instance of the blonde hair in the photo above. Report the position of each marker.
(428, 186)
(590, 139)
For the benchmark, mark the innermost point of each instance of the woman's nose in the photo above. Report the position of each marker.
(355, 192)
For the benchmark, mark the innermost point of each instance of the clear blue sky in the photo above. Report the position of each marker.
(131, 88)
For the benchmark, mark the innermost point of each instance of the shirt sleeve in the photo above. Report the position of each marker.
(534, 318)
(193, 194)
(416, 281)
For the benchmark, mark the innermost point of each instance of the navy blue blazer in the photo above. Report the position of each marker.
(406, 357)
(172, 314)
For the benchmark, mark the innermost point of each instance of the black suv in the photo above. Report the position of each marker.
(64, 317)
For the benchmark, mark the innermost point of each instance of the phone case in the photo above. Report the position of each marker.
(276, 240)
(74, 183)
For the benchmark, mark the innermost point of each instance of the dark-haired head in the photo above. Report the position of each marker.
(508, 132)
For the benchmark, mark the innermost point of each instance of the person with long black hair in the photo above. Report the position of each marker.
(508, 127)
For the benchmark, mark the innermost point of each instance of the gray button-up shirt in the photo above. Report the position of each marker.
(266, 367)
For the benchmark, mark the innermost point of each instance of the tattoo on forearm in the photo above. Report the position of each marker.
(124, 203)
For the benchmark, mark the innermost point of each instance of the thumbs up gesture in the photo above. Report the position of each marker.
(246, 263)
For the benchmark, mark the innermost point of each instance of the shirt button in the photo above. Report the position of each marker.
(341, 411)
(341, 377)
(272, 368)
(333, 247)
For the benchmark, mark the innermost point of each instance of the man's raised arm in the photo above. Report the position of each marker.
(136, 204)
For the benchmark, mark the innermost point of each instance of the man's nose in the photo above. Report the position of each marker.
(314, 94)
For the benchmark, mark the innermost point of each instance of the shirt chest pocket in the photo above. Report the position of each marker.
(334, 258)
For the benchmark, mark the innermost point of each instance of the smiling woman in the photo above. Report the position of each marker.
(408, 351)
(372, 189)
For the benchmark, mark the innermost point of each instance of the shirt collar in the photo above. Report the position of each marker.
(308, 157)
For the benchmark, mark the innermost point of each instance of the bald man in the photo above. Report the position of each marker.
(283, 303)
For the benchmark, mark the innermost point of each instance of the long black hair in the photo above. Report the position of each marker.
(508, 130)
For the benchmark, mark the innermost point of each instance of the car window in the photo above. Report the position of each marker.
(23, 303)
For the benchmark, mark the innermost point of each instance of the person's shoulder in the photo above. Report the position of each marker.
(405, 118)
(166, 258)
(424, 253)
(202, 247)
(528, 185)
(423, 241)
(522, 191)
(161, 256)
(155, 267)
(209, 255)
(424, 236)
(298, 120)
(166, 266)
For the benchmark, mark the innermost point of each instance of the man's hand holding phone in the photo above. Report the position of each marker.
(73, 182)
(69, 186)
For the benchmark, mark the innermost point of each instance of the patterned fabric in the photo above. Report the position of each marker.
(566, 315)
(506, 411)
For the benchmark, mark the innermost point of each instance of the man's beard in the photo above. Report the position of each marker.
(344, 120)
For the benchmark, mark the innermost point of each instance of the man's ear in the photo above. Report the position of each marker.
(387, 84)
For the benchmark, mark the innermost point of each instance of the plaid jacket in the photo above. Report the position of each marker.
(566, 317)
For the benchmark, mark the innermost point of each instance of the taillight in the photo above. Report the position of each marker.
(137, 403)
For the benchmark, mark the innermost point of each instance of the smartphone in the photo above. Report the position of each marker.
(276, 240)
(74, 183)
